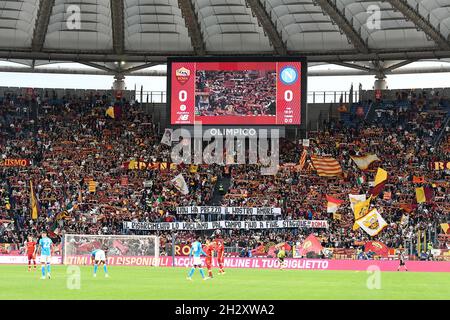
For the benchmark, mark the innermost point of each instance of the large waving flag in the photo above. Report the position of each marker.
(302, 162)
(424, 194)
(372, 223)
(378, 247)
(355, 198)
(167, 137)
(333, 204)
(114, 112)
(380, 181)
(311, 244)
(326, 166)
(360, 210)
(181, 184)
(33, 203)
(363, 162)
(445, 227)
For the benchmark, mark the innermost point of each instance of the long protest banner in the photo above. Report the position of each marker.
(275, 224)
(250, 211)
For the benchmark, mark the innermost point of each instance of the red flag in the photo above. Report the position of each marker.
(124, 181)
(117, 244)
(333, 204)
(408, 207)
(311, 244)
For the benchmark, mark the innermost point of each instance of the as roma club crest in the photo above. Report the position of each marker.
(183, 75)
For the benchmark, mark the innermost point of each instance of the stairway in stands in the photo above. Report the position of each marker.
(217, 195)
(443, 136)
(346, 117)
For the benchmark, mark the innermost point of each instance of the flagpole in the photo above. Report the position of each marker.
(418, 243)
(425, 240)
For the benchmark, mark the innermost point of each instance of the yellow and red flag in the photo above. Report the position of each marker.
(326, 166)
(380, 181)
(424, 194)
(445, 227)
(333, 204)
(33, 203)
(363, 162)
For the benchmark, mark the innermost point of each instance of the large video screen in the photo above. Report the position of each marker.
(236, 92)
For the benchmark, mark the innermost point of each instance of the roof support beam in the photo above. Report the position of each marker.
(141, 67)
(97, 66)
(41, 25)
(411, 14)
(163, 73)
(149, 73)
(193, 26)
(339, 18)
(146, 57)
(269, 27)
(352, 65)
(118, 26)
(398, 65)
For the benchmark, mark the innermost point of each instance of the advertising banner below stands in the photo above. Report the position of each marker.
(271, 263)
(251, 211)
(237, 225)
(15, 259)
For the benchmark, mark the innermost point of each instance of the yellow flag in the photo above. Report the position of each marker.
(360, 210)
(34, 207)
(110, 112)
(420, 195)
(92, 186)
(381, 176)
(445, 227)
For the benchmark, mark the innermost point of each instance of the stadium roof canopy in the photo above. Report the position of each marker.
(124, 36)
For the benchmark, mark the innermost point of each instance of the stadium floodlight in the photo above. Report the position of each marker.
(126, 250)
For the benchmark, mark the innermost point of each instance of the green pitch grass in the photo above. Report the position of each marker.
(253, 284)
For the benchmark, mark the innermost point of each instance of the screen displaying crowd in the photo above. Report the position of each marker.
(235, 93)
(72, 143)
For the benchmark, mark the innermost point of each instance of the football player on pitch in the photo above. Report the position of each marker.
(220, 250)
(281, 256)
(99, 257)
(209, 250)
(197, 251)
(30, 245)
(402, 258)
(45, 248)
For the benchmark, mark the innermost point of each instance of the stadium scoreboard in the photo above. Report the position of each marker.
(237, 90)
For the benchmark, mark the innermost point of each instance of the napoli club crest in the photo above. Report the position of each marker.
(183, 75)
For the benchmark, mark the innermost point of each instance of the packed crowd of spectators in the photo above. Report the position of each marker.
(72, 144)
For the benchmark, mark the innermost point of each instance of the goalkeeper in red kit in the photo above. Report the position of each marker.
(220, 250)
(209, 250)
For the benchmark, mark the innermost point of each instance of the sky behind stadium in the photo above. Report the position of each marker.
(430, 80)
